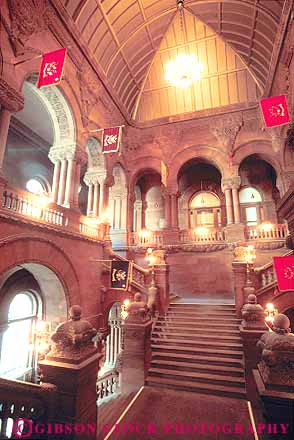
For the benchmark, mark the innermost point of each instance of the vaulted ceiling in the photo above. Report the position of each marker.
(131, 39)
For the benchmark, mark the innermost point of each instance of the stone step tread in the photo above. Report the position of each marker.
(201, 305)
(233, 345)
(220, 313)
(194, 386)
(192, 365)
(190, 335)
(167, 326)
(207, 376)
(217, 320)
(216, 351)
(202, 310)
(197, 324)
(198, 358)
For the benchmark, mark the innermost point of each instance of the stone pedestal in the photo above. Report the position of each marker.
(136, 354)
(162, 283)
(234, 232)
(274, 376)
(239, 272)
(72, 365)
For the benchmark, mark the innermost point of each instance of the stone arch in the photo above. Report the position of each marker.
(59, 109)
(144, 165)
(263, 149)
(32, 253)
(209, 154)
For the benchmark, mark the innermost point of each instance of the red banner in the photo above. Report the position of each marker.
(111, 139)
(275, 111)
(51, 68)
(284, 267)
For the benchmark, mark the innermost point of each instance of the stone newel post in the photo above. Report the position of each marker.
(275, 375)
(136, 353)
(72, 365)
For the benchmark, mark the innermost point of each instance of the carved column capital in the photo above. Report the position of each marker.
(10, 98)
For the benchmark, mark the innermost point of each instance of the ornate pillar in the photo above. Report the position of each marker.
(55, 183)
(77, 184)
(96, 199)
(168, 211)
(236, 182)
(90, 198)
(229, 210)
(5, 116)
(101, 197)
(62, 180)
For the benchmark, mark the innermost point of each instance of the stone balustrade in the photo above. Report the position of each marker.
(267, 232)
(107, 385)
(198, 236)
(146, 238)
(23, 205)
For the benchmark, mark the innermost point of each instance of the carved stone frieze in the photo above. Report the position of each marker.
(10, 98)
(231, 183)
(226, 128)
(27, 18)
(90, 90)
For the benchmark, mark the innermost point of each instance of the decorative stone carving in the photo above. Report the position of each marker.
(277, 353)
(27, 18)
(290, 137)
(240, 254)
(137, 309)
(72, 340)
(10, 98)
(278, 139)
(226, 128)
(90, 89)
(253, 314)
(152, 296)
(231, 182)
(159, 255)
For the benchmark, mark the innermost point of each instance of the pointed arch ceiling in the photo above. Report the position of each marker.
(124, 37)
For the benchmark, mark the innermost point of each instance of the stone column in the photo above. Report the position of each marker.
(55, 183)
(72, 365)
(136, 355)
(239, 274)
(69, 183)
(90, 198)
(174, 211)
(167, 206)
(236, 205)
(228, 196)
(96, 199)
(101, 198)
(5, 116)
(77, 179)
(62, 180)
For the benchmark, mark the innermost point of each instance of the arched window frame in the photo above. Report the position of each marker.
(247, 208)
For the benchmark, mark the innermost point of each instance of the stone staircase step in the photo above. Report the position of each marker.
(190, 366)
(199, 343)
(166, 333)
(201, 330)
(202, 310)
(217, 379)
(208, 319)
(199, 387)
(209, 315)
(200, 324)
(205, 360)
(197, 350)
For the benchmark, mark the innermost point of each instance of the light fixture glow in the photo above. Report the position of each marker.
(182, 71)
(201, 230)
(34, 186)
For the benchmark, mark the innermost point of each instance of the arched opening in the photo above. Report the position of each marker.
(113, 340)
(201, 201)
(149, 202)
(258, 194)
(29, 295)
(118, 208)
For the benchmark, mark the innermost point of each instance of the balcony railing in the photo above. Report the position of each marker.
(208, 235)
(24, 205)
(146, 238)
(266, 232)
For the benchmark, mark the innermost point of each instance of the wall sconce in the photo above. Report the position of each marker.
(201, 230)
(151, 259)
(124, 309)
(144, 235)
(270, 313)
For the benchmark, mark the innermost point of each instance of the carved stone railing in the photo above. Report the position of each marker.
(206, 236)
(22, 400)
(146, 238)
(29, 207)
(107, 385)
(273, 232)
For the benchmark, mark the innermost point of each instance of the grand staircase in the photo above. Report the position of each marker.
(197, 347)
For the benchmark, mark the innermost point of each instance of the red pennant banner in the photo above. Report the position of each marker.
(51, 68)
(284, 267)
(111, 139)
(275, 111)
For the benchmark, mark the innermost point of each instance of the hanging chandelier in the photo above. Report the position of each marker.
(185, 69)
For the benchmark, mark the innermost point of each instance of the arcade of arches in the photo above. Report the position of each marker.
(198, 174)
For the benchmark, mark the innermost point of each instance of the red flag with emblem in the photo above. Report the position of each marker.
(111, 139)
(284, 267)
(275, 111)
(51, 68)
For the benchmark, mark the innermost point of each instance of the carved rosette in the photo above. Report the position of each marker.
(10, 98)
